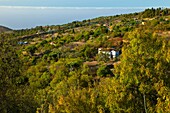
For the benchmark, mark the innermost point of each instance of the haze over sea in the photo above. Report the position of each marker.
(17, 17)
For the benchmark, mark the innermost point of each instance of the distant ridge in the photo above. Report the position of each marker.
(4, 29)
(39, 7)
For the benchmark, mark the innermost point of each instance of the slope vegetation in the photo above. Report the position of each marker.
(4, 29)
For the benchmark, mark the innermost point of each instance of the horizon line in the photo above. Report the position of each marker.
(46, 7)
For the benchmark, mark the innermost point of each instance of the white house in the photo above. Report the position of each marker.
(111, 52)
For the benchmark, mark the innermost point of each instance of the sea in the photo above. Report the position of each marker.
(18, 17)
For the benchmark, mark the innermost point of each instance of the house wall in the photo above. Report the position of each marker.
(111, 54)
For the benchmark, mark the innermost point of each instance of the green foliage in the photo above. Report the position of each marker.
(31, 49)
(14, 98)
(57, 71)
(102, 57)
(104, 71)
(100, 30)
(150, 13)
(140, 71)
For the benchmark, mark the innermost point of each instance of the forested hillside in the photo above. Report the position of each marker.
(114, 64)
(4, 29)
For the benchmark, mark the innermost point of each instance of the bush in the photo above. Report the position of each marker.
(103, 71)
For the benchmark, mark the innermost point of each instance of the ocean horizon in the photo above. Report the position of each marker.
(23, 17)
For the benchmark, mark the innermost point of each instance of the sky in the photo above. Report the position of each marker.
(18, 14)
(87, 3)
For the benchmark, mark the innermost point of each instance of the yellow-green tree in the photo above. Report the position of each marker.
(143, 70)
(14, 96)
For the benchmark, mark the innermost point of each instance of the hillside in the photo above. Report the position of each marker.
(4, 29)
(113, 64)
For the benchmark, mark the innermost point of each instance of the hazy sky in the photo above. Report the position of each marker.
(87, 3)
(27, 17)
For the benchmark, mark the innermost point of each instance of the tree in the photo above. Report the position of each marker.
(31, 49)
(14, 97)
(143, 69)
(103, 71)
